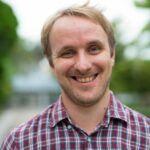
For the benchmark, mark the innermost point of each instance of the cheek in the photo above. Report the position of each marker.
(101, 61)
(104, 63)
(62, 66)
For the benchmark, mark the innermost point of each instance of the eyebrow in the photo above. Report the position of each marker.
(95, 42)
(67, 47)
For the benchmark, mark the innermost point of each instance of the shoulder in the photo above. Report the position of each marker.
(130, 115)
(36, 122)
(29, 129)
(137, 120)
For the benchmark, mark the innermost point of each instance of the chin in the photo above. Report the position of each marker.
(85, 101)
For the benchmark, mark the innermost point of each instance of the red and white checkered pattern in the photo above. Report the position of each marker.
(121, 129)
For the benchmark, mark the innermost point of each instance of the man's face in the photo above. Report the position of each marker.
(81, 60)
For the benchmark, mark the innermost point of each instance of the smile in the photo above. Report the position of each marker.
(85, 79)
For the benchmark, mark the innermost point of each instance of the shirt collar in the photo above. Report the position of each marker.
(116, 110)
(58, 113)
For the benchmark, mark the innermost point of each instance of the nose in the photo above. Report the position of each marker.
(83, 63)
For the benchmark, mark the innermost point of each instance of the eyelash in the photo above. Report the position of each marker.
(95, 50)
(67, 54)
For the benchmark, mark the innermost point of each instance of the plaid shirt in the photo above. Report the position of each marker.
(121, 129)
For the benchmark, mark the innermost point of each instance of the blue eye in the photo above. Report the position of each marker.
(67, 54)
(94, 49)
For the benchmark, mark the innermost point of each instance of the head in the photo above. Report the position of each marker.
(79, 44)
(84, 11)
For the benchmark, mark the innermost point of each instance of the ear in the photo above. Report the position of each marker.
(113, 62)
(53, 70)
(51, 64)
(50, 61)
(113, 57)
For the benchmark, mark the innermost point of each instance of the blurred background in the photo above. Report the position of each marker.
(27, 85)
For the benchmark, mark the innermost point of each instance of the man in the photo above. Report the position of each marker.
(80, 46)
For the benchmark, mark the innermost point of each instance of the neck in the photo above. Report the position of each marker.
(87, 118)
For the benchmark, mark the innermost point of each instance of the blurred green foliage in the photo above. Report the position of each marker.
(8, 37)
(143, 4)
(132, 75)
(140, 107)
(26, 56)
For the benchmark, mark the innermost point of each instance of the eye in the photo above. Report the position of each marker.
(94, 49)
(67, 53)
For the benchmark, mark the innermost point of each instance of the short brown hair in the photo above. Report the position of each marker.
(85, 11)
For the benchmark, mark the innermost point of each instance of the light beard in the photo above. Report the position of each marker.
(80, 101)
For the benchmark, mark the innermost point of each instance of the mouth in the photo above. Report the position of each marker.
(84, 79)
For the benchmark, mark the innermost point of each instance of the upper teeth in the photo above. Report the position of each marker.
(85, 79)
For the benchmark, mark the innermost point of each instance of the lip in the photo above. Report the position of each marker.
(85, 79)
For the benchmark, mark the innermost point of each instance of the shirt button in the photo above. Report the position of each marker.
(88, 139)
(69, 127)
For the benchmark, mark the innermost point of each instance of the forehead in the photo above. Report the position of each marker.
(69, 21)
(73, 18)
(74, 25)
